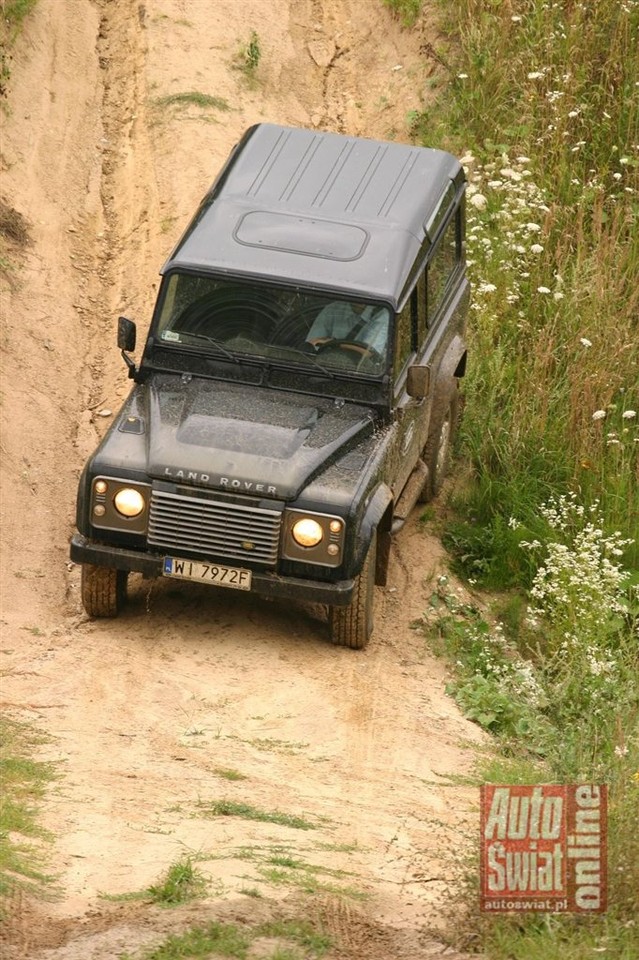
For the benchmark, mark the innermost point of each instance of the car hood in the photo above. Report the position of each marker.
(244, 438)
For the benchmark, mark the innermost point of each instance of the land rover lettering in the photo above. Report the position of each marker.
(231, 483)
(248, 485)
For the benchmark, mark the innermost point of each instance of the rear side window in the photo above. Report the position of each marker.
(405, 334)
(441, 265)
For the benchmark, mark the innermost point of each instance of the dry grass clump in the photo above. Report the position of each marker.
(13, 226)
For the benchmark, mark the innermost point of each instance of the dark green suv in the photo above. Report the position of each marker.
(298, 388)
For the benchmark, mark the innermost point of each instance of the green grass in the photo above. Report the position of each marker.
(14, 11)
(307, 881)
(556, 718)
(12, 16)
(182, 883)
(227, 773)
(221, 939)
(229, 940)
(248, 56)
(407, 11)
(542, 101)
(300, 931)
(23, 784)
(246, 811)
(192, 98)
(554, 245)
(280, 865)
(254, 892)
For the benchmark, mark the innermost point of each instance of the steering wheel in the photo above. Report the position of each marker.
(355, 346)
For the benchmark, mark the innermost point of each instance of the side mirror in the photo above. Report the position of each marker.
(126, 334)
(126, 342)
(418, 382)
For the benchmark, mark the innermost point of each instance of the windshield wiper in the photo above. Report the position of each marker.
(310, 359)
(267, 362)
(216, 343)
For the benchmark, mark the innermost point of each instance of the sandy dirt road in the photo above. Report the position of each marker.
(147, 712)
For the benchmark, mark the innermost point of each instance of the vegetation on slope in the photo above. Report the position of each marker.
(12, 14)
(542, 103)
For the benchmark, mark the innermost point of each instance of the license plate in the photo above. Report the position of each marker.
(217, 573)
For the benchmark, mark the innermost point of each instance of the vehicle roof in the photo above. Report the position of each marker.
(320, 209)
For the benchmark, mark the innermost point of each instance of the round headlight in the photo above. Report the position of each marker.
(128, 502)
(307, 532)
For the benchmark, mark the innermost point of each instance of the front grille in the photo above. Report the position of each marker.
(214, 528)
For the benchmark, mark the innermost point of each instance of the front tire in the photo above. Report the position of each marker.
(103, 590)
(352, 626)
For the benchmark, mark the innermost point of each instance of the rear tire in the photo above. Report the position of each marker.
(352, 626)
(103, 590)
(438, 450)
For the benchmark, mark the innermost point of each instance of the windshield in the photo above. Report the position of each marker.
(236, 318)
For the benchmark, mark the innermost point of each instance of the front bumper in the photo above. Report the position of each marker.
(266, 584)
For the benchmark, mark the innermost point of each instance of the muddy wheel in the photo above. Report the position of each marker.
(103, 590)
(438, 450)
(352, 626)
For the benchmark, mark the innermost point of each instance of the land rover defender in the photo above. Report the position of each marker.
(298, 389)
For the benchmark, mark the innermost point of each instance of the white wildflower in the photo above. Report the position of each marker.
(585, 342)
(599, 415)
(535, 75)
(479, 201)
(536, 248)
(543, 290)
(533, 227)
(628, 414)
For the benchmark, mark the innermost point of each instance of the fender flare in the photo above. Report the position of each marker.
(452, 367)
(378, 516)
